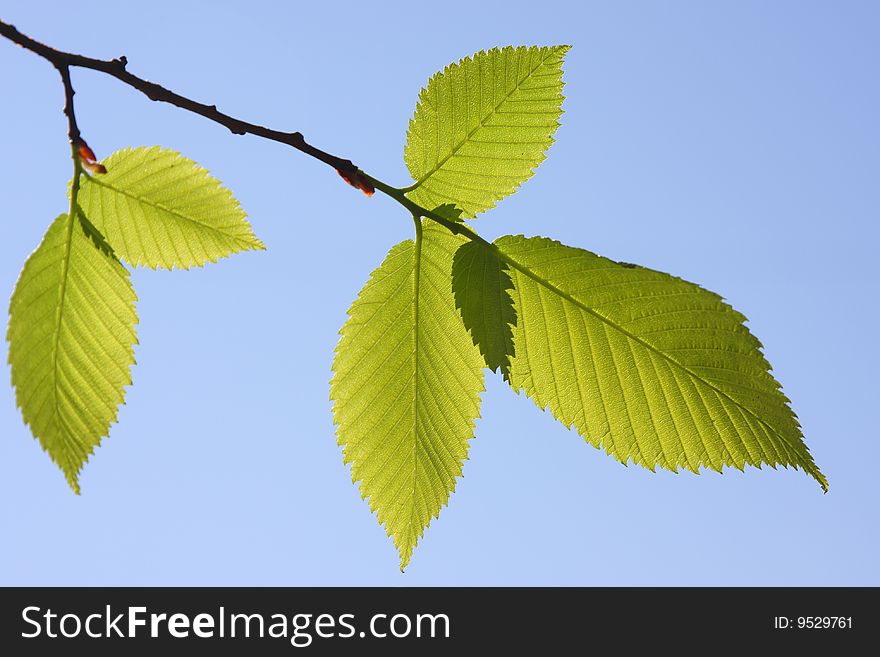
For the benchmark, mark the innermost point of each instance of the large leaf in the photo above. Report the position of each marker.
(160, 209)
(406, 387)
(71, 331)
(647, 366)
(482, 125)
(481, 284)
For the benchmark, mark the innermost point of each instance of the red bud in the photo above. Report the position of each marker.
(357, 179)
(87, 158)
(86, 153)
(95, 167)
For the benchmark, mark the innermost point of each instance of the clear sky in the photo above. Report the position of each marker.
(735, 144)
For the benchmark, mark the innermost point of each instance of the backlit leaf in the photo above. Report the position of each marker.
(160, 209)
(71, 335)
(482, 125)
(646, 366)
(406, 387)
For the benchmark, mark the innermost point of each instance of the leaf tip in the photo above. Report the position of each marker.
(816, 474)
(73, 481)
(405, 557)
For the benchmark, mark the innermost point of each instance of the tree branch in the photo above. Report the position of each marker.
(117, 68)
(72, 128)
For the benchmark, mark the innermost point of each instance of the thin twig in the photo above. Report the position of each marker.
(117, 68)
(72, 128)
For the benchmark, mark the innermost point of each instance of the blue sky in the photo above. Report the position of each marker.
(735, 144)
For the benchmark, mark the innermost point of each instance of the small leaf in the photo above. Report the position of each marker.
(449, 211)
(406, 387)
(160, 209)
(647, 366)
(71, 335)
(482, 125)
(481, 285)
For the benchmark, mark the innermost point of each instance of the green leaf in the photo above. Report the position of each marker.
(71, 336)
(481, 284)
(160, 209)
(449, 211)
(647, 366)
(406, 387)
(482, 125)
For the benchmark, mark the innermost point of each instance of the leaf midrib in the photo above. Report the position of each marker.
(417, 262)
(479, 126)
(547, 284)
(154, 204)
(65, 269)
